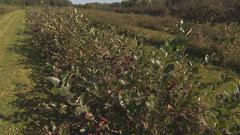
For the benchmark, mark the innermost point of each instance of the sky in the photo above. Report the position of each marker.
(89, 1)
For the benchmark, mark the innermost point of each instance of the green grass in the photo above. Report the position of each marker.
(14, 77)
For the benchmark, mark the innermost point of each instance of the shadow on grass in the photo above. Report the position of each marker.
(29, 102)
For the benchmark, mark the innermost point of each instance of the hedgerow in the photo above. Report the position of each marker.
(96, 81)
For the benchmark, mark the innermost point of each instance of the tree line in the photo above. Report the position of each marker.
(197, 10)
(37, 2)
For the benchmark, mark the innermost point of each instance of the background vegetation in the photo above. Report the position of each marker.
(197, 10)
(220, 39)
(37, 2)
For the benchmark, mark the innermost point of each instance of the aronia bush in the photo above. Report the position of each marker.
(99, 82)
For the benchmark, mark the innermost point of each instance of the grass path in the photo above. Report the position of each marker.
(14, 77)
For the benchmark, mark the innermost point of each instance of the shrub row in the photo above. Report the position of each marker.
(96, 81)
(99, 82)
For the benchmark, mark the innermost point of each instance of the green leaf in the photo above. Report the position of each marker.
(55, 91)
(53, 80)
(64, 78)
(225, 112)
(60, 91)
(150, 103)
(122, 82)
(81, 109)
(63, 109)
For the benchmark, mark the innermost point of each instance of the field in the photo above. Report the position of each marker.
(73, 70)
